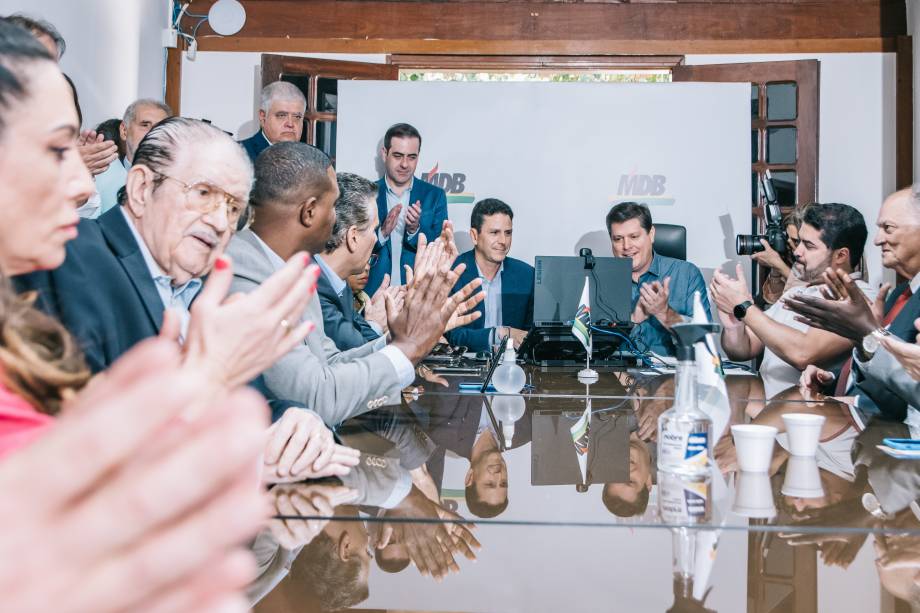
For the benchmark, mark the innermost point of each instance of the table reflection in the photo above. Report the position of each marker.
(552, 481)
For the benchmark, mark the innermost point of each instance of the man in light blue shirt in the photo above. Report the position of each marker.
(140, 116)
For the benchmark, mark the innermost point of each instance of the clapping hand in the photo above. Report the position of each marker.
(236, 338)
(413, 216)
(390, 222)
(115, 507)
(843, 310)
(727, 293)
(294, 503)
(96, 152)
(300, 446)
(908, 354)
(654, 298)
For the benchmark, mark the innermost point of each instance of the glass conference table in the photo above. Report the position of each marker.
(465, 502)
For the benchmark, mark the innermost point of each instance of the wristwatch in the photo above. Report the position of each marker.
(872, 341)
(740, 310)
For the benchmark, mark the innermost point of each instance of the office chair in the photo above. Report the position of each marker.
(671, 241)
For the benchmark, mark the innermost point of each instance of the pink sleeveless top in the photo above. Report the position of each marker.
(20, 423)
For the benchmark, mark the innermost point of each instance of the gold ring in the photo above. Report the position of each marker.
(285, 325)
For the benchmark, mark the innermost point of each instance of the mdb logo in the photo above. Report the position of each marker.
(452, 183)
(647, 189)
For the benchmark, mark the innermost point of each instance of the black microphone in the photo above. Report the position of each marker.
(586, 253)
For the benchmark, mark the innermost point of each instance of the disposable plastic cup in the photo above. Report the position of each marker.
(804, 431)
(802, 478)
(754, 446)
(754, 496)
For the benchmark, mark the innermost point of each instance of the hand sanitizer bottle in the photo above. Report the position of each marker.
(684, 431)
(509, 378)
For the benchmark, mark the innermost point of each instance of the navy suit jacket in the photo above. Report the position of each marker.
(254, 145)
(104, 295)
(342, 324)
(434, 213)
(517, 302)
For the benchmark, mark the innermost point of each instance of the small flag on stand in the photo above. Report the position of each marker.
(581, 327)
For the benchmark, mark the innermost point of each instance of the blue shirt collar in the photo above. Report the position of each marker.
(386, 182)
(654, 268)
(338, 284)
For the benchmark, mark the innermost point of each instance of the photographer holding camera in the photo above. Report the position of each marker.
(780, 278)
(831, 235)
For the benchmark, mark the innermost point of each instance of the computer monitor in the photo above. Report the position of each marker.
(559, 280)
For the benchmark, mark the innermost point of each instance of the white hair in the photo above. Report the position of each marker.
(281, 90)
(131, 111)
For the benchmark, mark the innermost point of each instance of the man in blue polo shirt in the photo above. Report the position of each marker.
(662, 287)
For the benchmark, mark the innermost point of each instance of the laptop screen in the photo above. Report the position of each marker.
(559, 280)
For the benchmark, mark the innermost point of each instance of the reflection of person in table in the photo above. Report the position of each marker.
(835, 443)
(330, 573)
(898, 562)
(631, 498)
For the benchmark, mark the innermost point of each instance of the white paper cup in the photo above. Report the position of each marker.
(804, 431)
(754, 496)
(754, 446)
(803, 480)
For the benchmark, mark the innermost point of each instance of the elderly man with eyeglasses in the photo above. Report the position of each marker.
(135, 272)
(281, 112)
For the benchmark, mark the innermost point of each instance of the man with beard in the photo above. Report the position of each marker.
(831, 235)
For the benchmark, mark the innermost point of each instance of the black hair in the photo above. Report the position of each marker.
(401, 130)
(110, 131)
(18, 49)
(840, 226)
(76, 100)
(479, 508)
(38, 27)
(287, 167)
(624, 508)
(625, 211)
(487, 207)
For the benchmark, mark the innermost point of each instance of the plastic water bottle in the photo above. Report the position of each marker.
(509, 378)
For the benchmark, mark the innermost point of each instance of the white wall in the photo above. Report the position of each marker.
(856, 142)
(224, 87)
(913, 29)
(114, 52)
(857, 115)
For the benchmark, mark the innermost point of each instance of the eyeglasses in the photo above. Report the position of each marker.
(373, 260)
(207, 198)
(283, 116)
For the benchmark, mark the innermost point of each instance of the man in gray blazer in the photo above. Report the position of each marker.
(293, 201)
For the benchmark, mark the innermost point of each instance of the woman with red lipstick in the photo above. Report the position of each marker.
(112, 508)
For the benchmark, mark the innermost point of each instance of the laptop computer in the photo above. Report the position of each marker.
(558, 283)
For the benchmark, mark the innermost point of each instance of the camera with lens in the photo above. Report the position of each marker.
(775, 232)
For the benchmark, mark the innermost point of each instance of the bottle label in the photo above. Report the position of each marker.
(691, 450)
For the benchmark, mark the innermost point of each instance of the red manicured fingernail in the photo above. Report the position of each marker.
(221, 263)
(306, 260)
(311, 327)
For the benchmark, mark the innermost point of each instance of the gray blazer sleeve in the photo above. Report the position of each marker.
(886, 370)
(349, 384)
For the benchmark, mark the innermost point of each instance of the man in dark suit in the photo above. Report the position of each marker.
(507, 282)
(406, 206)
(149, 254)
(280, 118)
(871, 375)
(354, 235)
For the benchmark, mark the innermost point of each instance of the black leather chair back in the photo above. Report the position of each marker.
(671, 241)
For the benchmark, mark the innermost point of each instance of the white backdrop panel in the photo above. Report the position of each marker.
(561, 153)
